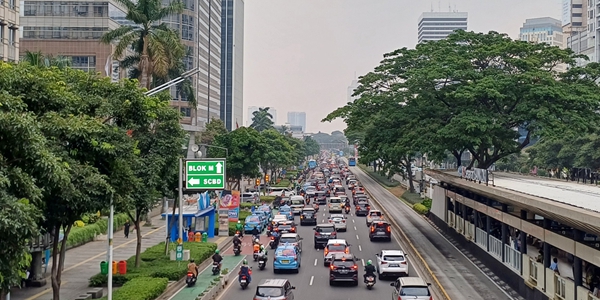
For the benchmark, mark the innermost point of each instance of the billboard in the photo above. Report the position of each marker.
(566, 12)
(230, 200)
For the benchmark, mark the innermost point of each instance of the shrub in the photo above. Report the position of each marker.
(267, 199)
(420, 208)
(427, 203)
(246, 205)
(156, 264)
(283, 183)
(81, 235)
(142, 288)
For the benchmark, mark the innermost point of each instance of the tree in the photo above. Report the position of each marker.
(279, 153)
(284, 129)
(38, 59)
(246, 147)
(262, 119)
(213, 129)
(299, 146)
(153, 42)
(311, 146)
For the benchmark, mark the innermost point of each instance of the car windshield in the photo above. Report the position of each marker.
(297, 202)
(335, 200)
(264, 208)
(337, 248)
(287, 240)
(393, 258)
(308, 213)
(286, 252)
(253, 219)
(375, 214)
(269, 291)
(326, 229)
(343, 263)
(285, 227)
(382, 225)
(284, 209)
(414, 291)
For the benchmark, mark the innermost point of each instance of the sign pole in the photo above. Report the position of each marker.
(181, 199)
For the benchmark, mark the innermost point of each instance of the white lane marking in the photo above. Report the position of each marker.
(354, 227)
(359, 248)
(316, 259)
(352, 220)
(362, 261)
(357, 237)
(311, 280)
(323, 214)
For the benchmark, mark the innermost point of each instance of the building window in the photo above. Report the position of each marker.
(577, 15)
(187, 27)
(84, 63)
(12, 36)
(577, 24)
(71, 33)
(69, 9)
(186, 112)
(577, 6)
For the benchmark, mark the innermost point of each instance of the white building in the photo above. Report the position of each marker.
(351, 89)
(9, 30)
(542, 30)
(252, 109)
(435, 26)
(297, 118)
(578, 19)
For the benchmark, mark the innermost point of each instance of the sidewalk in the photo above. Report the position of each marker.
(83, 262)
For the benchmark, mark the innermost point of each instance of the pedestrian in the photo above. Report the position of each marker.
(126, 229)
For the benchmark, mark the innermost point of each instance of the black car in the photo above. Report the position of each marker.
(362, 209)
(286, 227)
(380, 230)
(308, 216)
(324, 232)
(343, 268)
(322, 198)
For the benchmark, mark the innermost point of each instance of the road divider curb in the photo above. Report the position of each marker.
(408, 241)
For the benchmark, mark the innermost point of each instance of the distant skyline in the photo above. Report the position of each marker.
(298, 58)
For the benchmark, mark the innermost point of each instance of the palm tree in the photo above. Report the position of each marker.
(38, 59)
(262, 119)
(284, 129)
(147, 38)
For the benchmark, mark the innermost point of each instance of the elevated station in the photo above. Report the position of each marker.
(541, 236)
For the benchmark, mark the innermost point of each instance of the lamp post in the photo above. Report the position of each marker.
(218, 147)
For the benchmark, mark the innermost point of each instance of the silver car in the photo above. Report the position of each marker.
(413, 288)
(339, 221)
(292, 239)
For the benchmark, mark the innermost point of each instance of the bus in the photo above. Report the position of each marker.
(312, 164)
(352, 162)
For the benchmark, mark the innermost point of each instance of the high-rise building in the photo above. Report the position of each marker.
(9, 27)
(351, 89)
(297, 118)
(542, 30)
(574, 15)
(232, 63)
(252, 109)
(579, 26)
(209, 83)
(435, 26)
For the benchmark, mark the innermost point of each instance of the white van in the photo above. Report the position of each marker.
(335, 204)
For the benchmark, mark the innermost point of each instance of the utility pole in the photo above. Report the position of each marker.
(110, 246)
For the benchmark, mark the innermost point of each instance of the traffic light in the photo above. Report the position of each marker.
(266, 178)
(257, 181)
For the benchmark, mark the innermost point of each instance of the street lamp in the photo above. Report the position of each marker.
(196, 149)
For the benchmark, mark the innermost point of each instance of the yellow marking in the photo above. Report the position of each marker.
(437, 282)
(90, 259)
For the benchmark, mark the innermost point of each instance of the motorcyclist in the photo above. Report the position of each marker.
(192, 267)
(255, 232)
(347, 208)
(236, 240)
(245, 270)
(369, 270)
(217, 258)
(239, 227)
(256, 246)
(275, 236)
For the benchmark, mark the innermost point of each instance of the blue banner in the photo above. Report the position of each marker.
(234, 215)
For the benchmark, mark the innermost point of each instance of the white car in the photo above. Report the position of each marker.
(339, 221)
(392, 263)
(297, 204)
(277, 191)
(335, 204)
(278, 218)
(374, 215)
(292, 239)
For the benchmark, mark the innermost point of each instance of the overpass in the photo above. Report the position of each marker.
(333, 145)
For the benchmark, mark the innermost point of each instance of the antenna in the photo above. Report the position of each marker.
(449, 7)
(440, 6)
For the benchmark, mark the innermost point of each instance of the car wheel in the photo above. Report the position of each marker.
(330, 282)
(371, 239)
(275, 271)
(325, 264)
(381, 277)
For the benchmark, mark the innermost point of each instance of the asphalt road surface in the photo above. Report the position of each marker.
(459, 277)
(312, 282)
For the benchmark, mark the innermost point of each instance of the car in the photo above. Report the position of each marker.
(334, 246)
(362, 209)
(308, 216)
(380, 230)
(249, 197)
(251, 222)
(297, 204)
(321, 198)
(274, 289)
(279, 217)
(286, 227)
(343, 268)
(279, 191)
(335, 204)
(391, 263)
(374, 215)
(413, 288)
(287, 257)
(323, 233)
(267, 209)
(287, 211)
(338, 221)
(292, 239)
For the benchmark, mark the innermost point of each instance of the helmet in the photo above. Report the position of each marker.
(257, 241)
(244, 262)
(217, 251)
(369, 262)
(239, 222)
(191, 260)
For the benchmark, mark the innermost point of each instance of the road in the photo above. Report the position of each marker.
(459, 277)
(312, 282)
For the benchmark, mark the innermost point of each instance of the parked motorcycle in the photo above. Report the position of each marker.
(216, 269)
(190, 280)
(370, 282)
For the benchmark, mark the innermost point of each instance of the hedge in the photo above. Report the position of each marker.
(283, 183)
(156, 264)
(427, 203)
(420, 208)
(81, 235)
(267, 199)
(142, 288)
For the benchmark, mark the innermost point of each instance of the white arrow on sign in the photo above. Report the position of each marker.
(219, 168)
(194, 181)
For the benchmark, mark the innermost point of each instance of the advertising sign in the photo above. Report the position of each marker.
(566, 12)
(230, 200)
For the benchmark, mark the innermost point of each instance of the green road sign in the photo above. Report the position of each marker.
(208, 174)
(179, 253)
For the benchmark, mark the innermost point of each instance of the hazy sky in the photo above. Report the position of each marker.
(301, 55)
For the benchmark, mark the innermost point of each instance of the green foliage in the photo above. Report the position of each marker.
(279, 153)
(214, 128)
(427, 203)
(420, 208)
(246, 147)
(81, 235)
(567, 151)
(142, 288)
(380, 178)
(412, 198)
(156, 264)
(311, 146)
(262, 119)
(283, 183)
(267, 199)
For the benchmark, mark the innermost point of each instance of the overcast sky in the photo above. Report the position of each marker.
(301, 55)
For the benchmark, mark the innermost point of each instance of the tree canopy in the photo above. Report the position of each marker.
(262, 119)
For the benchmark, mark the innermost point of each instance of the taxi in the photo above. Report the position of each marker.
(266, 209)
(287, 257)
(287, 211)
(251, 222)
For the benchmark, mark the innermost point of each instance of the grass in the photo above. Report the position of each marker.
(387, 182)
(412, 198)
(283, 183)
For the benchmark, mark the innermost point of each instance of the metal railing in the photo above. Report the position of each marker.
(470, 230)
(592, 297)
(460, 224)
(559, 287)
(495, 246)
(481, 238)
(533, 270)
(512, 258)
(451, 219)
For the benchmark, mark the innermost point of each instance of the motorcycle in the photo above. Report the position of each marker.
(347, 209)
(244, 282)
(274, 242)
(237, 249)
(216, 269)
(240, 233)
(190, 280)
(262, 262)
(370, 282)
